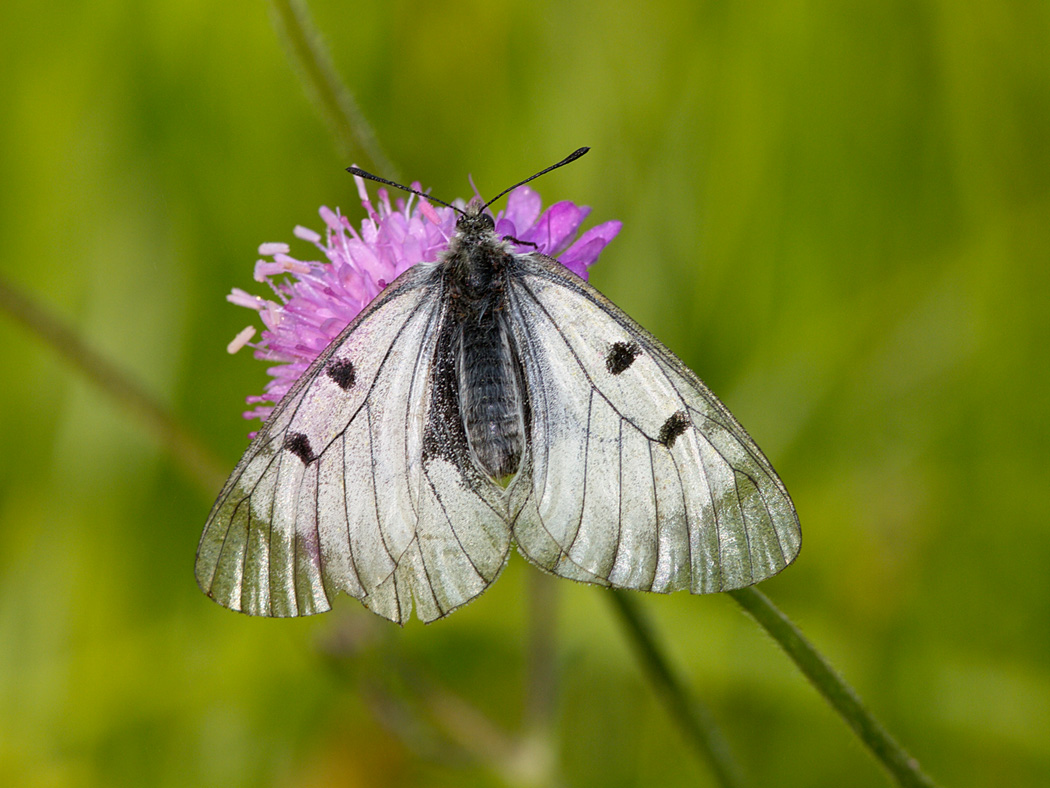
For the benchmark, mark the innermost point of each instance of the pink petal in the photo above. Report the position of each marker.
(589, 245)
(556, 226)
(523, 206)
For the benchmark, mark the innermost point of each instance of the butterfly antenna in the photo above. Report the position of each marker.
(567, 160)
(365, 174)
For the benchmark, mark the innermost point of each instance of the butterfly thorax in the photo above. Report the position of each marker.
(491, 399)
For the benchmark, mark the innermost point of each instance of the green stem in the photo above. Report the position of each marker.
(694, 719)
(188, 452)
(904, 768)
(356, 141)
(541, 681)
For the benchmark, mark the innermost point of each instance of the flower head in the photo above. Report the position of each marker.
(315, 300)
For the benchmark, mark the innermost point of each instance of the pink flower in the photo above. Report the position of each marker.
(315, 300)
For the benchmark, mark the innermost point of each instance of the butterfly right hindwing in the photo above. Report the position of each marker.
(641, 477)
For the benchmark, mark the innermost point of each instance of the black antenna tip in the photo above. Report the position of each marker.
(568, 159)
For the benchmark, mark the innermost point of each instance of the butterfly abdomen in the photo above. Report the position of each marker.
(490, 394)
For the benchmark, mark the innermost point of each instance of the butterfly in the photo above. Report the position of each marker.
(490, 399)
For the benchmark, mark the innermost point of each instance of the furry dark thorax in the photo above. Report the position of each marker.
(492, 400)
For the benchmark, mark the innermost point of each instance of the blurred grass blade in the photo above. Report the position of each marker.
(904, 768)
(355, 139)
(693, 719)
(199, 463)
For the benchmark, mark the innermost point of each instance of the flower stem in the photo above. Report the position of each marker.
(693, 718)
(188, 452)
(903, 767)
(355, 139)
(541, 679)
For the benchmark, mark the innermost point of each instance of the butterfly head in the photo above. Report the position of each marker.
(474, 220)
(474, 229)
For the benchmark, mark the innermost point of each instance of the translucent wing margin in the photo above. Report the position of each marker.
(640, 478)
(344, 490)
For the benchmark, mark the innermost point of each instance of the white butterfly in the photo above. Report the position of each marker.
(489, 399)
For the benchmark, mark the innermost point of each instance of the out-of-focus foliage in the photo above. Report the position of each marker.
(838, 214)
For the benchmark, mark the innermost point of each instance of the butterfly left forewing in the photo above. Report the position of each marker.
(262, 543)
(339, 491)
(642, 479)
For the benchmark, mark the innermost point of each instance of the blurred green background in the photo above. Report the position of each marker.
(838, 214)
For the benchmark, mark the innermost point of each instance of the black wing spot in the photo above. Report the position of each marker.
(621, 356)
(675, 425)
(342, 372)
(299, 445)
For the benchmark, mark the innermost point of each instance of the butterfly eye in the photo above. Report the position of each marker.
(475, 222)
